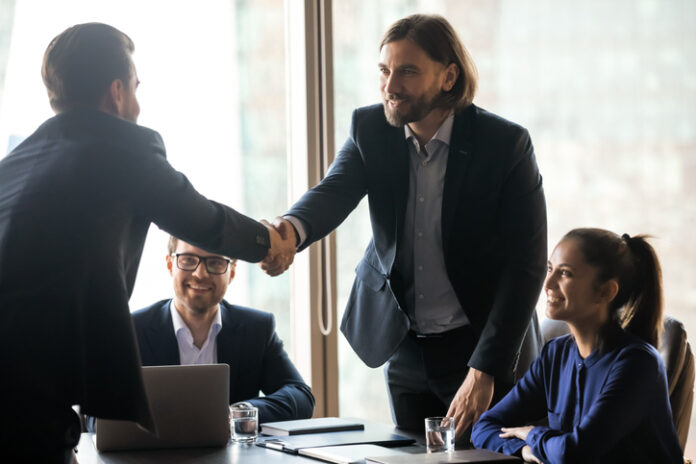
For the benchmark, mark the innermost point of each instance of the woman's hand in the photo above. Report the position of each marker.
(528, 456)
(515, 432)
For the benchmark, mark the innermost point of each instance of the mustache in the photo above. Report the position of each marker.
(396, 97)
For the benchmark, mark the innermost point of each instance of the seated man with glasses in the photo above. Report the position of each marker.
(198, 327)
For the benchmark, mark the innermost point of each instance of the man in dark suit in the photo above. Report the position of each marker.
(199, 327)
(449, 281)
(76, 200)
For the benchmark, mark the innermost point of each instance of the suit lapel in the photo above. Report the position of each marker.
(163, 343)
(460, 153)
(229, 342)
(398, 171)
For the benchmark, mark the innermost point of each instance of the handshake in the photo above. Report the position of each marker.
(283, 246)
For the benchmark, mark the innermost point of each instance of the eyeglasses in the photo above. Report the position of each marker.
(190, 262)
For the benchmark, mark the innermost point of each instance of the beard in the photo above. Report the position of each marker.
(412, 108)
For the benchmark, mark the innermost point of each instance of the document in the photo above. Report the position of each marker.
(459, 456)
(348, 454)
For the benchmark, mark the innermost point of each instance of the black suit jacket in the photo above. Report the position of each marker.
(76, 200)
(493, 231)
(249, 344)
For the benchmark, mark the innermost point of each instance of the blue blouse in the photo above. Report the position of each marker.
(606, 408)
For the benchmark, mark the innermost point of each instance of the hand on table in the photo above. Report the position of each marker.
(527, 455)
(283, 246)
(471, 400)
(521, 433)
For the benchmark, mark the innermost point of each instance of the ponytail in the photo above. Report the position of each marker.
(642, 314)
(632, 262)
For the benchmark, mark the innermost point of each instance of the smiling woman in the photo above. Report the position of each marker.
(609, 291)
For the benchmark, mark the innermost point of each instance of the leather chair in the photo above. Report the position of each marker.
(679, 361)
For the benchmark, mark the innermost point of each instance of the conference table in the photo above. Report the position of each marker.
(232, 453)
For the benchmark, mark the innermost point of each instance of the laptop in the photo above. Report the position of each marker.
(189, 405)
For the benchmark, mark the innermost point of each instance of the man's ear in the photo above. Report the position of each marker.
(112, 102)
(170, 264)
(233, 268)
(451, 75)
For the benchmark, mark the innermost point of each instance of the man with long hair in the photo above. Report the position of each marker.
(449, 281)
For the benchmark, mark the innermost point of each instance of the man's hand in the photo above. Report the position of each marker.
(283, 247)
(527, 455)
(472, 400)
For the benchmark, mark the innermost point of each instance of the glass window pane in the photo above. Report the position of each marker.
(608, 93)
(212, 83)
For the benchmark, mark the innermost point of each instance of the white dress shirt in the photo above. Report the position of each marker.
(188, 352)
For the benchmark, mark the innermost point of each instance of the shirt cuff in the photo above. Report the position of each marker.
(300, 229)
(535, 436)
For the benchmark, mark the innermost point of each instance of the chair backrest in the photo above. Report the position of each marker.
(679, 361)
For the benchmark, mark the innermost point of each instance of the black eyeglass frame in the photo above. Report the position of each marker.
(201, 259)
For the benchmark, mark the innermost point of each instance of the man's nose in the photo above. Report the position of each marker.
(392, 84)
(201, 270)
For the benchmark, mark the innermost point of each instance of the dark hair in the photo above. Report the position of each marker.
(81, 62)
(632, 262)
(440, 42)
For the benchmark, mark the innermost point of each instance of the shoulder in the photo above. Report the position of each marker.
(248, 316)
(559, 347)
(641, 355)
(98, 128)
(369, 118)
(150, 314)
(486, 121)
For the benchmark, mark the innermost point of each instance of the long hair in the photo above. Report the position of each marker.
(438, 39)
(81, 62)
(633, 263)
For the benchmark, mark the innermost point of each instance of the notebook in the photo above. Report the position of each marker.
(374, 433)
(189, 405)
(349, 454)
(318, 425)
(458, 456)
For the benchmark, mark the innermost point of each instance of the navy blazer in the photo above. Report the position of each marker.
(493, 231)
(76, 200)
(248, 343)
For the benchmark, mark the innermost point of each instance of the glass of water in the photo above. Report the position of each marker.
(439, 434)
(245, 423)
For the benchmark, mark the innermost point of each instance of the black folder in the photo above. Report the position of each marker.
(374, 433)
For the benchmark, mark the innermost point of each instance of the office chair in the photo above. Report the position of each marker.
(679, 361)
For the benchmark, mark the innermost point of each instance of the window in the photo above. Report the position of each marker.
(212, 83)
(607, 92)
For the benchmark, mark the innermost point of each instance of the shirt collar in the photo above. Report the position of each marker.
(443, 133)
(180, 324)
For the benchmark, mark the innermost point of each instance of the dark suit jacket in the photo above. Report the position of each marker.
(76, 200)
(249, 344)
(493, 231)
